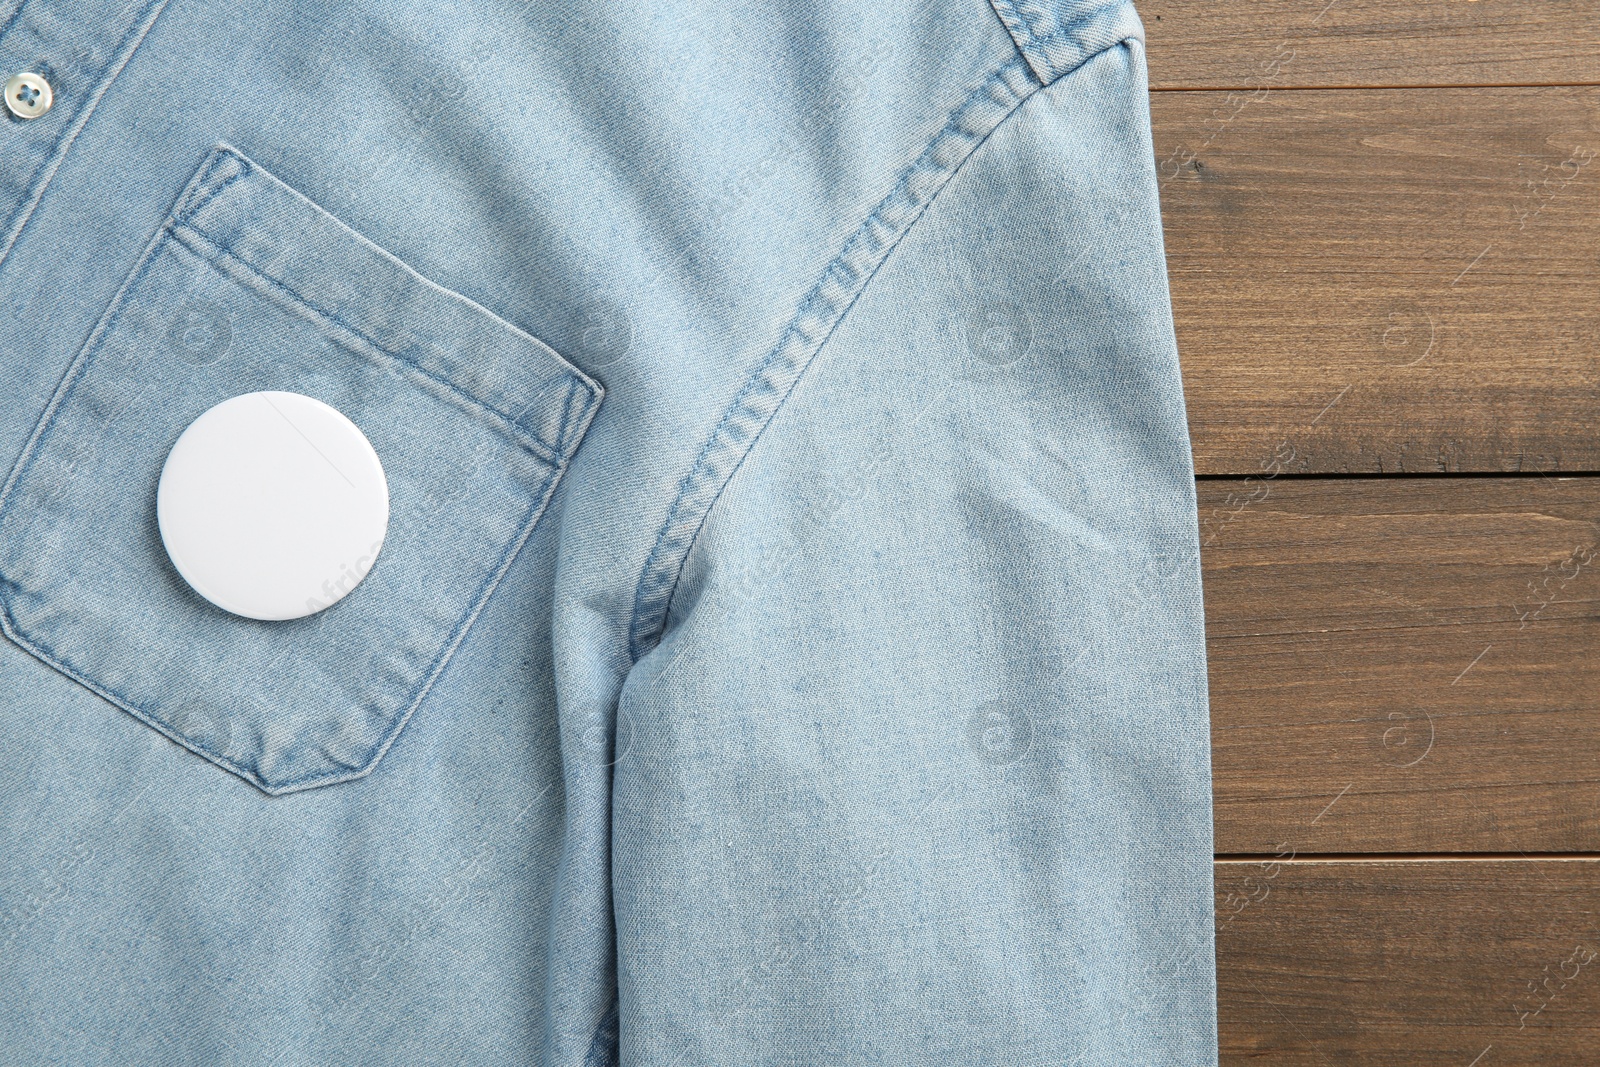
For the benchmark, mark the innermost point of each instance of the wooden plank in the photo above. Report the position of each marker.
(1404, 664)
(1197, 44)
(1409, 963)
(1386, 280)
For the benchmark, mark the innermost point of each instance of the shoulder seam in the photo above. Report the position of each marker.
(1057, 36)
(840, 284)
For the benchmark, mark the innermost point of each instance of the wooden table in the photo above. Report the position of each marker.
(1383, 235)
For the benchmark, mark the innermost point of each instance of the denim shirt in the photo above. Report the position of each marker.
(787, 645)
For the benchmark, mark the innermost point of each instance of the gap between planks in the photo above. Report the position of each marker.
(1402, 857)
(1368, 88)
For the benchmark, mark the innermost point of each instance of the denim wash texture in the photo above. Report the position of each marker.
(787, 648)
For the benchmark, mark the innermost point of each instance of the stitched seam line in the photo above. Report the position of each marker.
(201, 192)
(43, 652)
(842, 281)
(1053, 47)
(226, 156)
(566, 410)
(11, 20)
(64, 141)
(220, 171)
(1023, 36)
(12, 628)
(80, 362)
(290, 300)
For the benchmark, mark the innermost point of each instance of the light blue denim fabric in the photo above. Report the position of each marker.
(787, 648)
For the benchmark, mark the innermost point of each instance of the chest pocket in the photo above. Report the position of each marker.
(250, 286)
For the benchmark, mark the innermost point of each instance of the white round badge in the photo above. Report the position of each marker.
(272, 505)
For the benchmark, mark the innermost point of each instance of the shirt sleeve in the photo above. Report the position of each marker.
(918, 769)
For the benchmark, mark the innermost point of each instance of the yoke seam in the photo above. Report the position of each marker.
(824, 306)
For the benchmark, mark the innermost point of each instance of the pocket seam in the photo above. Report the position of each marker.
(554, 460)
(8, 623)
(481, 598)
(227, 165)
(279, 293)
(207, 189)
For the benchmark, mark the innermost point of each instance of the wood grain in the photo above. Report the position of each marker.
(1378, 269)
(1386, 280)
(1404, 664)
(1409, 963)
(1284, 43)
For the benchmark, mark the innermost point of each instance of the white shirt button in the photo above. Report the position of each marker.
(28, 95)
(273, 505)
